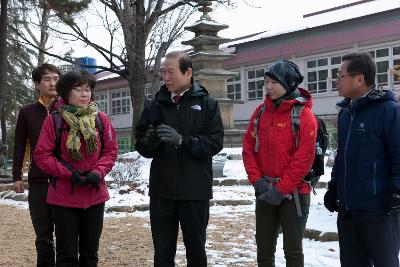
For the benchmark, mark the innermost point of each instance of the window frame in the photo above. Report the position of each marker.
(124, 108)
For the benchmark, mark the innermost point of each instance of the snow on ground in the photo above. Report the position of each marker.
(316, 253)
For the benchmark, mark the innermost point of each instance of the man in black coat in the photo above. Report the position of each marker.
(181, 129)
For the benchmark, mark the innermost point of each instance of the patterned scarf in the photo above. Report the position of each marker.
(82, 121)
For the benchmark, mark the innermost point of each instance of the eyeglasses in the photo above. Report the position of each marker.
(80, 90)
(341, 76)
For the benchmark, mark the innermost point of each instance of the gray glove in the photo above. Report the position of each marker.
(272, 196)
(151, 138)
(168, 134)
(262, 185)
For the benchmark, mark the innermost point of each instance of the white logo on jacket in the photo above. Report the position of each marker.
(196, 107)
(361, 127)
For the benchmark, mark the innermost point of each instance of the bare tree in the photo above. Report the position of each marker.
(151, 25)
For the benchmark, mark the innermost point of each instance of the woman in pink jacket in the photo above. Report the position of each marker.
(78, 165)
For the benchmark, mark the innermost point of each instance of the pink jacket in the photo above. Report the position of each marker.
(62, 194)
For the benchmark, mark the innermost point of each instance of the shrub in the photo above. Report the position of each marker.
(126, 172)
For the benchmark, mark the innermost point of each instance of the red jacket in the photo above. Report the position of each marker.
(277, 156)
(62, 194)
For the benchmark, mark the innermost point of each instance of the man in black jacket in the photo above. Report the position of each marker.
(181, 129)
(27, 130)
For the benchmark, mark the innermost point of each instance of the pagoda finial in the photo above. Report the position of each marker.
(205, 8)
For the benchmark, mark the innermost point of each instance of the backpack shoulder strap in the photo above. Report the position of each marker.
(57, 130)
(256, 121)
(100, 127)
(295, 122)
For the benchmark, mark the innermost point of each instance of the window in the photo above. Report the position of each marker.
(124, 144)
(321, 74)
(102, 102)
(381, 57)
(255, 82)
(396, 62)
(120, 102)
(233, 88)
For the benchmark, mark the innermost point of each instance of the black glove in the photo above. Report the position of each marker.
(330, 199)
(78, 179)
(151, 138)
(272, 196)
(168, 134)
(262, 185)
(93, 180)
(393, 203)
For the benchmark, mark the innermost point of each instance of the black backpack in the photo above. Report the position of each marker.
(321, 144)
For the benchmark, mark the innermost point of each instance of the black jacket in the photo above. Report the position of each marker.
(27, 130)
(183, 173)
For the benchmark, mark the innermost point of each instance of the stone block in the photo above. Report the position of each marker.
(215, 182)
(218, 168)
(120, 209)
(231, 202)
(143, 207)
(20, 197)
(235, 157)
(228, 182)
(243, 182)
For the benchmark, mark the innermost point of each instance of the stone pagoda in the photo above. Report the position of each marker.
(207, 60)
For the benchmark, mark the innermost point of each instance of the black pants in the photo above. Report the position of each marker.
(78, 230)
(42, 224)
(165, 217)
(368, 239)
(269, 219)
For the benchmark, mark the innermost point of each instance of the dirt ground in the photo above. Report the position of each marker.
(127, 241)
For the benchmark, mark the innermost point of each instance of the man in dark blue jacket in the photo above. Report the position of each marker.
(181, 129)
(365, 183)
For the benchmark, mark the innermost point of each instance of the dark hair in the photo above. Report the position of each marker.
(72, 79)
(42, 69)
(185, 62)
(361, 63)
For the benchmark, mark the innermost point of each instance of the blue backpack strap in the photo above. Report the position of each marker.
(256, 121)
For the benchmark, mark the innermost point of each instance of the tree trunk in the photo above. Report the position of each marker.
(44, 32)
(3, 124)
(3, 72)
(3, 52)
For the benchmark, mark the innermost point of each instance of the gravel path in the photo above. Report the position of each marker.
(127, 241)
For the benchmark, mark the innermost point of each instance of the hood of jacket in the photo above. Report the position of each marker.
(374, 96)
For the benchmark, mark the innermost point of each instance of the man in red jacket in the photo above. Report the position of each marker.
(27, 130)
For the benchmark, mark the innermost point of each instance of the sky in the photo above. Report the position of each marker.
(249, 16)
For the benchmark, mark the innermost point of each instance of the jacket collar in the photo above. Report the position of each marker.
(304, 98)
(49, 106)
(375, 95)
(195, 90)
